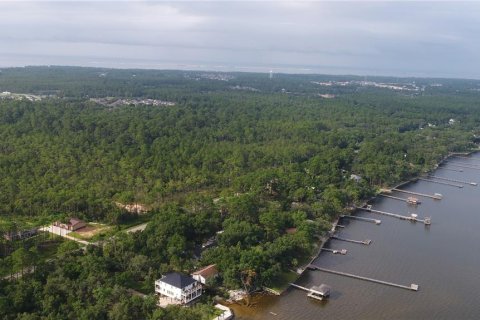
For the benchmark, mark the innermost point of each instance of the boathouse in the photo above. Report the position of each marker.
(321, 292)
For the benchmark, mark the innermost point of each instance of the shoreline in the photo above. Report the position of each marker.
(327, 237)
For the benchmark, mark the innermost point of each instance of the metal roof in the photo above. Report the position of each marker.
(178, 280)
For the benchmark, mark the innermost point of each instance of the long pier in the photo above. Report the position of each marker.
(453, 180)
(463, 166)
(436, 197)
(468, 158)
(399, 216)
(450, 169)
(299, 287)
(442, 182)
(412, 287)
(376, 221)
(364, 242)
(392, 197)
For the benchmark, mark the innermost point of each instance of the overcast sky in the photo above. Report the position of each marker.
(365, 38)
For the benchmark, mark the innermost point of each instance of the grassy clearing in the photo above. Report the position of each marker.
(90, 230)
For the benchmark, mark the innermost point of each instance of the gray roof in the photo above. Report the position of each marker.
(177, 280)
(323, 289)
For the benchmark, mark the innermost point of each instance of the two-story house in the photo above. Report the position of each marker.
(178, 287)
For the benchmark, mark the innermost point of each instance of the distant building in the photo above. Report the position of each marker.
(206, 273)
(451, 121)
(355, 177)
(178, 287)
(291, 230)
(211, 242)
(72, 224)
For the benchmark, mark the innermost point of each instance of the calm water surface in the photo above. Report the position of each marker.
(444, 259)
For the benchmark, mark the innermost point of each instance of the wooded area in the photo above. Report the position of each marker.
(249, 163)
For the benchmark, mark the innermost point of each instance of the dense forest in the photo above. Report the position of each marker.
(239, 153)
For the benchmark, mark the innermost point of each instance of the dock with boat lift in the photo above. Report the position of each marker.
(453, 180)
(413, 218)
(409, 200)
(335, 251)
(442, 182)
(412, 287)
(436, 196)
(316, 292)
(376, 221)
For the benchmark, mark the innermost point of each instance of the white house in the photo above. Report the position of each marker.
(355, 177)
(206, 273)
(178, 287)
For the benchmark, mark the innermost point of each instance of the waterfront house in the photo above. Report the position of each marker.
(178, 288)
(206, 273)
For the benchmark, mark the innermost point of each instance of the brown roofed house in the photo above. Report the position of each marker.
(291, 230)
(72, 224)
(206, 273)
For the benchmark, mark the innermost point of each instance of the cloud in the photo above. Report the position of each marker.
(402, 38)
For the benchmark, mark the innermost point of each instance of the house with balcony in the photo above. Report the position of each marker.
(177, 288)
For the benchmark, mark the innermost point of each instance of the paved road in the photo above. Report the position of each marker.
(140, 228)
(63, 233)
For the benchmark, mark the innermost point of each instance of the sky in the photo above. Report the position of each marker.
(423, 39)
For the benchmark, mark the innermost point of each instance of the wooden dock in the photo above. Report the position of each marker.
(392, 197)
(408, 200)
(426, 221)
(376, 221)
(450, 169)
(463, 166)
(442, 182)
(364, 242)
(468, 158)
(412, 287)
(453, 180)
(321, 292)
(436, 197)
(334, 251)
(299, 287)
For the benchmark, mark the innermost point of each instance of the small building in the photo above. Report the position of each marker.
(178, 287)
(291, 230)
(211, 242)
(355, 177)
(321, 292)
(72, 224)
(206, 273)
